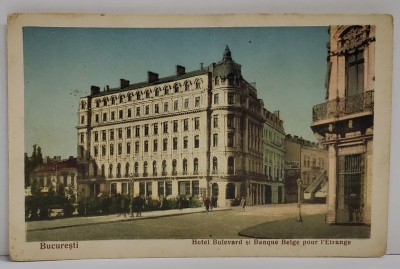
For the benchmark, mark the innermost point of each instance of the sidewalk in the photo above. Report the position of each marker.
(312, 226)
(84, 221)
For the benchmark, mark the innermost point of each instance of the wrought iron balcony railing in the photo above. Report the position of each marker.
(344, 106)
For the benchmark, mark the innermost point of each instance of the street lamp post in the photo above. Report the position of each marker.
(299, 182)
(132, 188)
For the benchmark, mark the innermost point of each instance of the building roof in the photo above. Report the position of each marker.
(71, 163)
(156, 82)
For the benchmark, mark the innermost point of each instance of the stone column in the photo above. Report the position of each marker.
(332, 182)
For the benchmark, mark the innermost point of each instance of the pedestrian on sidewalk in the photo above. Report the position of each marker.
(243, 203)
(207, 203)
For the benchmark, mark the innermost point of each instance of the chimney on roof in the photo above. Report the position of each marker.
(151, 77)
(124, 83)
(94, 90)
(201, 66)
(180, 70)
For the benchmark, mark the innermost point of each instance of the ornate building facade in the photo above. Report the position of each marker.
(344, 123)
(274, 158)
(191, 134)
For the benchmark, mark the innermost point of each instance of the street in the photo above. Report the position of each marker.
(184, 225)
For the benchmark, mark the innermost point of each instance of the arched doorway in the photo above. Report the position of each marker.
(214, 189)
(230, 191)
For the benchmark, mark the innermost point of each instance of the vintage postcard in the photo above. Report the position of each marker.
(198, 135)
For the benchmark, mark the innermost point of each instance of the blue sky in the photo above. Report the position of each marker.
(288, 65)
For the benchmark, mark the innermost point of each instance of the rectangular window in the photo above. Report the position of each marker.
(197, 101)
(103, 135)
(97, 118)
(176, 105)
(96, 136)
(147, 110)
(215, 121)
(103, 150)
(137, 111)
(216, 99)
(96, 151)
(165, 107)
(111, 149)
(231, 98)
(184, 187)
(128, 148)
(186, 103)
(111, 134)
(119, 149)
(137, 131)
(156, 109)
(121, 114)
(355, 73)
(120, 133)
(165, 144)
(195, 187)
(146, 146)
(185, 142)
(104, 116)
(196, 141)
(113, 188)
(161, 188)
(155, 128)
(175, 143)
(112, 115)
(146, 129)
(196, 123)
(230, 139)
(82, 119)
(186, 124)
(155, 145)
(128, 132)
(230, 121)
(175, 127)
(165, 127)
(124, 188)
(142, 188)
(215, 140)
(168, 188)
(137, 147)
(129, 112)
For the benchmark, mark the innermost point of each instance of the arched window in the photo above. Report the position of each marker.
(83, 105)
(147, 94)
(164, 167)
(195, 166)
(121, 99)
(127, 170)
(145, 169)
(184, 166)
(187, 85)
(176, 88)
(136, 168)
(104, 102)
(119, 170)
(231, 165)
(98, 103)
(215, 165)
(174, 167)
(129, 97)
(154, 168)
(216, 82)
(113, 100)
(166, 90)
(103, 170)
(110, 170)
(214, 189)
(157, 92)
(198, 83)
(230, 191)
(137, 95)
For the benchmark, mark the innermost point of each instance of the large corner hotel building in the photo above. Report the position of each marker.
(196, 133)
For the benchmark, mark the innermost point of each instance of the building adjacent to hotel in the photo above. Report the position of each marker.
(345, 122)
(196, 133)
